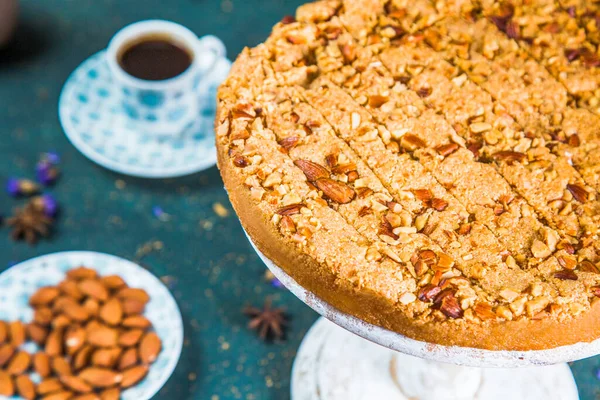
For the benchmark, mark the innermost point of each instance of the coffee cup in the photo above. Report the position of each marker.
(159, 67)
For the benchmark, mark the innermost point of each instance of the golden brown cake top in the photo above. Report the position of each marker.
(441, 155)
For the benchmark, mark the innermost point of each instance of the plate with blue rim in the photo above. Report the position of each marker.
(19, 282)
(90, 112)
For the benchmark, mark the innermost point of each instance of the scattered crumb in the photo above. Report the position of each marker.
(227, 6)
(120, 184)
(147, 248)
(269, 381)
(220, 210)
(42, 93)
(115, 220)
(206, 224)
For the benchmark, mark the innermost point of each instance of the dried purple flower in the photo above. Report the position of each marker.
(169, 281)
(273, 281)
(51, 157)
(21, 187)
(46, 204)
(160, 214)
(46, 171)
(157, 211)
(12, 187)
(276, 283)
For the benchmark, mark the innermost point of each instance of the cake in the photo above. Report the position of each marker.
(431, 167)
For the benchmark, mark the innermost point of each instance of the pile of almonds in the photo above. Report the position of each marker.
(93, 338)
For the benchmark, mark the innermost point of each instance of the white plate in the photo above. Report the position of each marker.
(89, 111)
(334, 364)
(18, 283)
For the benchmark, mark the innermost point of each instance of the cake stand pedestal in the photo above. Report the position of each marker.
(345, 358)
(334, 364)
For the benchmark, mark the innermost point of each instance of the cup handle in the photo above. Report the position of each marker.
(214, 45)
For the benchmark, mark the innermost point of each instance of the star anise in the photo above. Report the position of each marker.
(29, 223)
(269, 322)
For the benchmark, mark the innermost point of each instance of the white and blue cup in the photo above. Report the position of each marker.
(163, 107)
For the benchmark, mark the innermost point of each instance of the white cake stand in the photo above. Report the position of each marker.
(345, 358)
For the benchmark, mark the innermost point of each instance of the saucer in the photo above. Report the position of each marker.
(90, 114)
(19, 282)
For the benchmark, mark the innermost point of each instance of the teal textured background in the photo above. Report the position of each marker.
(203, 257)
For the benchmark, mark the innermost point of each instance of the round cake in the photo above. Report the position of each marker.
(431, 167)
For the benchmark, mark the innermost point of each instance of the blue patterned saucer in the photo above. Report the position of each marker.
(90, 114)
(18, 283)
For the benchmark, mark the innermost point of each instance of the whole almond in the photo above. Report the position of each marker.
(94, 288)
(54, 343)
(74, 339)
(41, 364)
(509, 156)
(75, 384)
(17, 333)
(92, 306)
(44, 296)
(133, 376)
(82, 357)
(101, 377)
(106, 358)
(71, 289)
(102, 336)
(448, 304)
(37, 333)
(150, 347)
(43, 316)
(7, 387)
(19, 363)
(62, 395)
(588, 266)
(134, 294)
(312, 170)
(50, 385)
(133, 307)
(447, 149)
(128, 359)
(61, 366)
(61, 302)
(6, 352)
(110, 394)
(130, 338)
(290, 209)
(113, 282)
(336, 191)
(112, 312)
(579, 193)
(423, 194)
(25, 387)
(76, 312)
(484, 311)
(61, 322)
(92, 325)
(289, 142)
(81, 273)
(136, 321)
(3, 332)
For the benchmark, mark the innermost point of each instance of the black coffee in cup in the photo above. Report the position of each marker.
(154, 57)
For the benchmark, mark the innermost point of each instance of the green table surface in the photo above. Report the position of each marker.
(205, 258)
